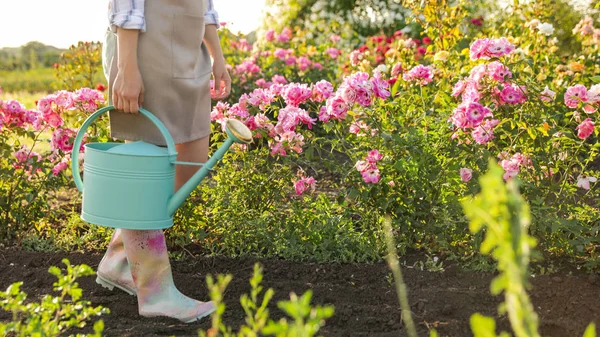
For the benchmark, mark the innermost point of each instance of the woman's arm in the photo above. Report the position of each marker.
(128, 88)
(126, 18)
(222, 87)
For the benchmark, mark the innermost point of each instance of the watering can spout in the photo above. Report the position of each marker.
(237, 132)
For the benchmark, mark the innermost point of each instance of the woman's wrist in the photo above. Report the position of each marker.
(127, 43)
(211, 39)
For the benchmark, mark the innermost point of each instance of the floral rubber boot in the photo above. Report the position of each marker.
(113, 270)
(151, 270)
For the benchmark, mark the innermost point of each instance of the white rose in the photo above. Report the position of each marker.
(533, 23)
(594, 93)
(382, 69)
(546, 28)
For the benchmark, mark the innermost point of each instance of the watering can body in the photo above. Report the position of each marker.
(126, 191)
(131, 185)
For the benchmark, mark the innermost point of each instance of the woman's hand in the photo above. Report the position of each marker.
(128, 89)
(222, 81)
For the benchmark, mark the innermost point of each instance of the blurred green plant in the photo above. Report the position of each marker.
(503, 216)
(306, 320)
(80, 67)
(53, 315)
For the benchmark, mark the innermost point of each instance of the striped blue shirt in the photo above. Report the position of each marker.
(129, 14)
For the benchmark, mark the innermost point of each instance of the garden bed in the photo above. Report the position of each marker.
(364, 299)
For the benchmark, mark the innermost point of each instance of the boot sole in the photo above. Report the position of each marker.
(110, 285)
(199, 318)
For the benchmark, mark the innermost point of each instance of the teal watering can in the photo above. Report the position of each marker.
(131, 185)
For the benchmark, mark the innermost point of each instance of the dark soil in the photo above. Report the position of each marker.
(365, 302)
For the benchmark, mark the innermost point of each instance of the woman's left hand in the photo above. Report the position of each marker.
(222, 81)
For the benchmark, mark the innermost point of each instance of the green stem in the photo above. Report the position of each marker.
(394, 265)
(14, 187)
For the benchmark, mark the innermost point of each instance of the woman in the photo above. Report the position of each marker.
(158, 55)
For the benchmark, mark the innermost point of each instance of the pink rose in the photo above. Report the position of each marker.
(420, 74)
(371, 175)
(270, 36)
(513, 94)
(466, 174)
(574, 95)
(53, 119)
(585, 129)
(498, 71)
(584, 182)
(304, 184)
(61, 166)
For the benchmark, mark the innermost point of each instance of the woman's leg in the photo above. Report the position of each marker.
(149, 260)
(113, 270)
(195, 151)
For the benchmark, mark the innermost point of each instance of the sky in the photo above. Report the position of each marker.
(62, 23)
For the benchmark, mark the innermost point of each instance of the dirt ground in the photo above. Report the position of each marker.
(365, 302)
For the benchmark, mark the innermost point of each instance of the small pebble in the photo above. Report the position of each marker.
(447, 309)
(556, 279)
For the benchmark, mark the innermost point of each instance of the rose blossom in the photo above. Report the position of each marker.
(547, 95)
(303, 184)
(396, 69)
(270, 35)
(584, 182)
(585, 129)
(511, 165)
(593, 94)
(355, 57)
(513, 94)
(420, 74)
(575, 94)
(498, 71)
(545, 28)
(485, 132)
(61, 166)
(466, 174)
(371, 175)
(491, 48)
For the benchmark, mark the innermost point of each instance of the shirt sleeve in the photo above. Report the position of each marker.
(127, 14)
(211, 17)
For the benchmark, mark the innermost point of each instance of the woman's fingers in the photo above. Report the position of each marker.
(217, 88)
(116, 101)
(227, 85)
(223, 83)
(129, 90)
(141, 99)
(228, 82)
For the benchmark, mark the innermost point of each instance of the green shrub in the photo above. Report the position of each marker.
(53, 315)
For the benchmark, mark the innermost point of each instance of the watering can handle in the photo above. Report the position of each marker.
(79, 138)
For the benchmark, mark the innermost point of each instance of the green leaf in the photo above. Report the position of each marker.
(353, 194)
(395, 88)
(595, 79)
(483, 326)
(498, 284)
(54, 271)
(591, 329)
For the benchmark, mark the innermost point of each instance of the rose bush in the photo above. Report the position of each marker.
(413, 122)
(400, 126)
(36, 148)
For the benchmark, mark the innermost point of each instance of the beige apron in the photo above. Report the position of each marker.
(176, 68)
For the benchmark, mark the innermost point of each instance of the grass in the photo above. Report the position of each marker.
(35, 80)
(25, 97)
